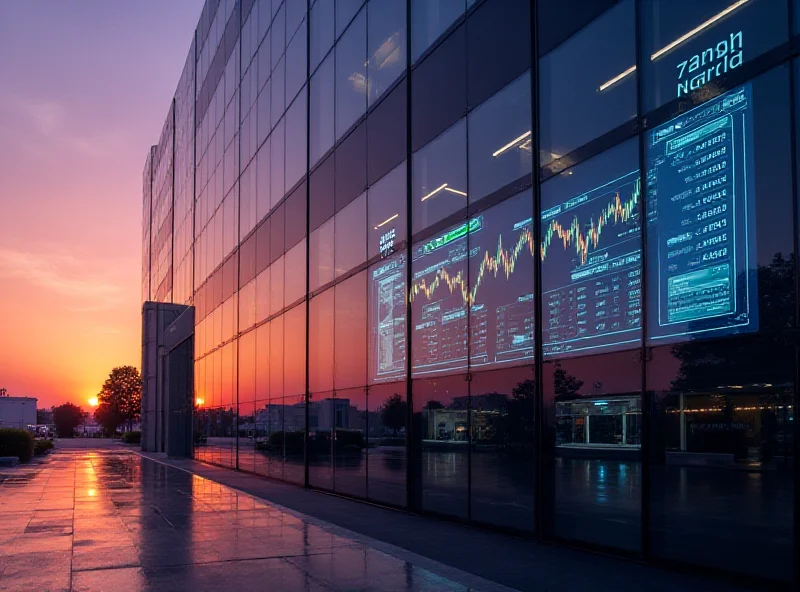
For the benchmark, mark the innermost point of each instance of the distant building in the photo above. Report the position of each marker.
(17, 412)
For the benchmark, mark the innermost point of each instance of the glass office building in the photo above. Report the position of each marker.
(525, 264)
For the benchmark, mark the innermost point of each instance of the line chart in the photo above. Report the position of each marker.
(504, 260)
(615, 212)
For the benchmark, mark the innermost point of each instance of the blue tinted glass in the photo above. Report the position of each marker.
(701, 221)
(296, 141)
(296, 63)
(500, 139)
(591, 255)
(439, 177)
(501, 297)
(387, 319)
(386, 52)
(587, 86)
(429, 19)
(322, 110)
(351, 75)
(687, 44)
(439, 294)
(345, 11)
(322, 29)
(386, 212)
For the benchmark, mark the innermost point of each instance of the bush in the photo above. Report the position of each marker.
(41, 447)
(132, 437)
(15, 442)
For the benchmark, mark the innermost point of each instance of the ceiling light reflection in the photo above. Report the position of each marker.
(511, 144)
(386, 221)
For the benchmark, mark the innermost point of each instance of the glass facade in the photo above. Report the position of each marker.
(471, 258)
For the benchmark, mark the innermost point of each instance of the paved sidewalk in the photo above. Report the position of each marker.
(517, 563)
(112, 520)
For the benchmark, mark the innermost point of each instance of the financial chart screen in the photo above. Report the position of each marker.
(701, 221)
(472, 291)
(387, 300)
(592, 260)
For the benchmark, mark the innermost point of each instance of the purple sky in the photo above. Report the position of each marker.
(85, 86)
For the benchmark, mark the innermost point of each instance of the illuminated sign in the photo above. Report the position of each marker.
(709, 64)
(386, 243)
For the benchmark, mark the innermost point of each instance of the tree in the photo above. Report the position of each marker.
(108, 417)
(122, 392)
(393, 413)
(67, 417)
(433, 404)
(565, 385)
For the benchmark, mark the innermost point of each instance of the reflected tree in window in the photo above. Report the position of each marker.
(393, 413)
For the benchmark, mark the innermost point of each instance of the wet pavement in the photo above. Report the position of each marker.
(111, 520)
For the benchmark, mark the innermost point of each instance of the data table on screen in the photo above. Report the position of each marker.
(701, 221)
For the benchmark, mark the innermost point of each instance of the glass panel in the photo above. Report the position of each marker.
(429, 19)
(277, 171)
(386, 211)
(295, 273)
(439, 177)
(387, 319)
(296, 63)
(588, 87)
(276, 289)
(387, 45)
(322, 31)
(278, 80)
(262, 362)
(351, 75)
(501, 291)
(321, 256)
(321, 110)
(500, 140)
(276, 408)
(348, 414)
(688, 44)
(707, 268)
(320, 440)
(296, 141)
(591, 255)
(262, 295)
(722, 445)
(502, 469)
(439, 295)
(351, 242)
(350, 338)
(345, 11)
(386, 443)
(441, 407)
(294, 353)
(597, 480)
(247, 306)
(320, 342)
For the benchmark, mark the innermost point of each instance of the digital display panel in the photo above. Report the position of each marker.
(591, 256)
(701, 221)
(387, 300)
(472, 291)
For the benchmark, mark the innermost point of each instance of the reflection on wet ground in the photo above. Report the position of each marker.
(111, 520)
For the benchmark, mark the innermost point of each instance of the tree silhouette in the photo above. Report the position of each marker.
(393, 413)
(108, 417)
(565, 385)
(67, 417)
(433, 404)
(763, 357)
(122, 392)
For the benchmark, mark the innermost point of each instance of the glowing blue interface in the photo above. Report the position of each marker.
(700, 221)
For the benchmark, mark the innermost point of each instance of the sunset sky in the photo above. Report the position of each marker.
(84, 89)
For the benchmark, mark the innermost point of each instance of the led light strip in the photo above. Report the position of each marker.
(386, 221)
(456, 191)
(434, 192)
(680, 40)
(511, 144)
(697, 29)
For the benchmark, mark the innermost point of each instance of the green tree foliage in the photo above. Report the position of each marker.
(122, 392)
(67, 417)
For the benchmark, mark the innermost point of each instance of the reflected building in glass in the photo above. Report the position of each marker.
(527, 265)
